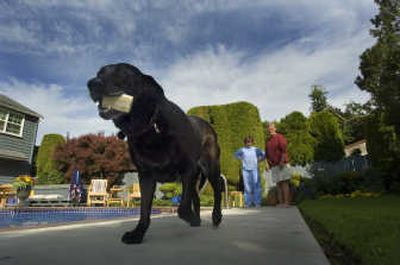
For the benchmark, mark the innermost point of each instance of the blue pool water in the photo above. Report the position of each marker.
(23, 217)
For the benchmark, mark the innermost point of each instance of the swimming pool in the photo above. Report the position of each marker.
(28, 217)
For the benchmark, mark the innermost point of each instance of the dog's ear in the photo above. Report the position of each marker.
(150, 82)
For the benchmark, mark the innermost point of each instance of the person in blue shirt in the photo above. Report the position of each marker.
(250, 156)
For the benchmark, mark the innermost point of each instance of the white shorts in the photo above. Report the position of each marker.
(279, 174)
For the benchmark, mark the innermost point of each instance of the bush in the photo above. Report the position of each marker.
(171, 190)
(206, 200)
(341, 184)
(162, 202)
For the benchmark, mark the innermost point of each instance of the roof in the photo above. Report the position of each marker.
(357, 143)
(14, 105)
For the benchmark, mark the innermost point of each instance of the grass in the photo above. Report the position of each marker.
(356, 230)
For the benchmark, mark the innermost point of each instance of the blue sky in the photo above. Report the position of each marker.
(201, 52)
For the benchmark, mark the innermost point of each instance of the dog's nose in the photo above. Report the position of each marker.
(94, 84)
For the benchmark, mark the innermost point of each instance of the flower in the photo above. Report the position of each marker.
(22, 182)
(296, 179)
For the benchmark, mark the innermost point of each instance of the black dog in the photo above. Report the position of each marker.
(164, 143)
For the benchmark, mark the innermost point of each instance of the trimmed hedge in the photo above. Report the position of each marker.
(232, 122)
(46, 170)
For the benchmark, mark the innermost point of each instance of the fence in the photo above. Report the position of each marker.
(355, 163)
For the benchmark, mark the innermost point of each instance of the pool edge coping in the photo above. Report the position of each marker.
(33, 230)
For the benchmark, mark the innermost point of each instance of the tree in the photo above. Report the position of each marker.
(329, 144)
(46, 169)
(96, 156)
(355, 118)
(296, 129)
(380, 76)
(383, 146)
(380, 64)
(318, 98)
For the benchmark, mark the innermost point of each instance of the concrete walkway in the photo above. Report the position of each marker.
(261, 236)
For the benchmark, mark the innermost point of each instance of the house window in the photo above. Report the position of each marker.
(11, 122)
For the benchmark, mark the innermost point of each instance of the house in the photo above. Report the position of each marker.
(18, 129)
(359, 146)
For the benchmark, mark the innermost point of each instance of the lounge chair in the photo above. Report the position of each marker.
(48, 200)
(115, 196)
(97, 193)
(133, 193)
(6, 191)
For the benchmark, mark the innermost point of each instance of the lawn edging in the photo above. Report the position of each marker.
(337, 253)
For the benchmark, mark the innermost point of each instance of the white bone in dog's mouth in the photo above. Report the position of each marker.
(122, 103)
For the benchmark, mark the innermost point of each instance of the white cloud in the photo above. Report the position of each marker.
(87, 34)
(277, 82)
(62, 114)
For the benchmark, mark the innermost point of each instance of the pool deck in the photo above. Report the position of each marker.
(268, 235)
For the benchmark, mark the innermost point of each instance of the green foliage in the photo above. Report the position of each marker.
(232, 122)
(171, 190)
(46, 168)
(380, 68)
(355, 121)
(296, 129)
(328, 137)
(23, 182)
(380, 64)
(206, 200)
(318, 98)
(383, 146)
(162, 202)
(346, 183)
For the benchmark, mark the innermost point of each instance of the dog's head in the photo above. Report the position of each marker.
(123, 83)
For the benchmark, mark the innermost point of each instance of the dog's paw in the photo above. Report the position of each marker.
(185, 215)
(195, 222)
(216, 218)
(132, 237)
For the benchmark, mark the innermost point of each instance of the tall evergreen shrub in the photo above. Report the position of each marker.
(232, 122)
(46, 169)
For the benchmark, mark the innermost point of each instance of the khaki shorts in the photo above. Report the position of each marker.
(279, 174)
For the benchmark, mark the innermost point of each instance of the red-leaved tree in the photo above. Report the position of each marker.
(95, 156)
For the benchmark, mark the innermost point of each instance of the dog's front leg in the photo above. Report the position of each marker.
(147, 188)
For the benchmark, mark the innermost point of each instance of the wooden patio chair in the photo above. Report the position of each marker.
(6, 191)
(97, 192)
(236, 199)
(133, 194)
(115, 196)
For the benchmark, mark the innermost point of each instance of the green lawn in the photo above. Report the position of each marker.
(367, 228)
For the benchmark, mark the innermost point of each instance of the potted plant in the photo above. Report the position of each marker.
(23, 185)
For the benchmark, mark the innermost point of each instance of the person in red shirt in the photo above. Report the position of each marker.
(278, 162)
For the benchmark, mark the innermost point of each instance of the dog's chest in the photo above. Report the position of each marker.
(159, 154)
